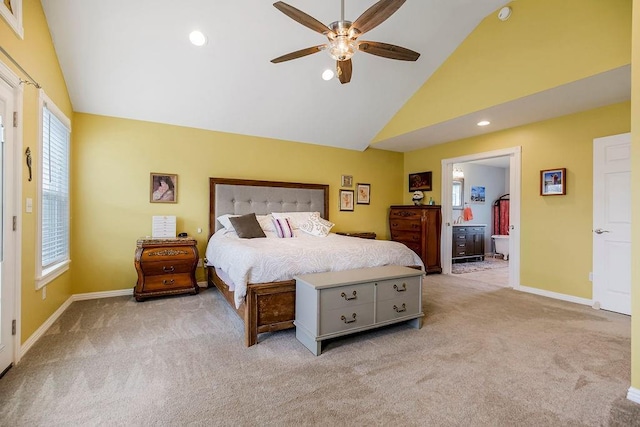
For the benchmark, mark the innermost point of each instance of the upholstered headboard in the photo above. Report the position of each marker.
(241, 196)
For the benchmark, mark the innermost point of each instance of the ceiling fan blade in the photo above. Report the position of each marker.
(387, 50)
(298, 54)
(301, 17)
(376, 15)
(344, 69)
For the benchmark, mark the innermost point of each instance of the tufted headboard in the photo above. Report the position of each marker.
(242, 196)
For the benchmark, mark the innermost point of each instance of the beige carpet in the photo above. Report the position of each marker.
(486, 356)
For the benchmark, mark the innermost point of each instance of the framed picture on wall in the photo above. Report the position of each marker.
(553, 182)
(164, 188)
(420, 181)
(477, 194)
(364, 194)
(346, 200)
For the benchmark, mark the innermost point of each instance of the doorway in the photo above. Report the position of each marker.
(513, 159)
(10, 97)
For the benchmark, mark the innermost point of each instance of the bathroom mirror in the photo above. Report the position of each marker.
(458, 193)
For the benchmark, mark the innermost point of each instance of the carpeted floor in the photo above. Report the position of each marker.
(471, 266)
(486, 356)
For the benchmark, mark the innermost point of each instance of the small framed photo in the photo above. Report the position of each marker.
(553, 182)
(347, 181)
(164, 188)
(477, 194)
(364, 194)
(420, 181)
(346, 200)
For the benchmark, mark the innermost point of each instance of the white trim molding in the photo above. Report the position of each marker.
(634, 395)
(13, 19)
(75, 297)
(554, 295)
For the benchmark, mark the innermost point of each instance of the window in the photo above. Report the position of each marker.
(53, 193)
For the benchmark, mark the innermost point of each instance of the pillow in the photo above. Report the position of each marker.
(224, 220)
(316, 226)
(295, 218)
(283, 227)
(247, 226)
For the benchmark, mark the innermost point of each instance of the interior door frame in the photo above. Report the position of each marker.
(14, 181)
(515, 179)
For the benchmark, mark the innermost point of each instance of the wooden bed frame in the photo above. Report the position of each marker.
(267, 307)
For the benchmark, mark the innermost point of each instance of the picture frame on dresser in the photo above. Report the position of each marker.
(346, 200)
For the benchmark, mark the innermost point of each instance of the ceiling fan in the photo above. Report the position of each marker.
(343, 36)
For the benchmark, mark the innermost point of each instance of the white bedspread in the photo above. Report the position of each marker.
(272, 259)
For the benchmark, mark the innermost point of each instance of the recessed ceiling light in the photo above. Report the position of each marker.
(484, 123)
(327, 75)
(197, 38)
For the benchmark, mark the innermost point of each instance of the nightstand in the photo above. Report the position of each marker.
(165, 267)
(361, 234)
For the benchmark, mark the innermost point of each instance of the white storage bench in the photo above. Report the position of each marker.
(338, 303)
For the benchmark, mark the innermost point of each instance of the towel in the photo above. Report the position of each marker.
(467, 215)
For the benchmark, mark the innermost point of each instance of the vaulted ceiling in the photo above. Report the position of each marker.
(133, 59)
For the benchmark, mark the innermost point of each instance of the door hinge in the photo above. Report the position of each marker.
(13, 327)
(15, 119)
(15, 223)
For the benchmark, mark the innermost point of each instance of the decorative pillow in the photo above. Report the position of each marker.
(247, 226)
(224, 220)
(316, 226)
(295, 218)
(266, 222)
(283, 227)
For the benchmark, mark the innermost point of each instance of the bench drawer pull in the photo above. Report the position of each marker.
(345, 320)
(404, 288)
(343, 295)
(401, 309)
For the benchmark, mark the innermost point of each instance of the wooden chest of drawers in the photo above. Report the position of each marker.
(468, 242)
(165, 267)
(418, 227)
(338, 303)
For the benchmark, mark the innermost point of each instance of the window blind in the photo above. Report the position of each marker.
(55, 190)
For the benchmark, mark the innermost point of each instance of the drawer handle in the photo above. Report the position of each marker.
(401, 309)
(343, 295)
(404, 288)
(404, 213)
(168, 282)
(345, 320)
(168, 270)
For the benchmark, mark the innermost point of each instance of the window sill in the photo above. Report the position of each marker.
(52, 273)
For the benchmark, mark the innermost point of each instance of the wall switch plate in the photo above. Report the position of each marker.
(28, 206)
(199, 262)
(199, 230)
(591, 276)
(44, 292)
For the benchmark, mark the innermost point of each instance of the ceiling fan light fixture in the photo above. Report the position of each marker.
(342, 48)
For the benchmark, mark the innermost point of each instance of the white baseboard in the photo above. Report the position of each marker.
(634, 395)
(104, 294)
(26, 346)
(202, 284)
(555, 295)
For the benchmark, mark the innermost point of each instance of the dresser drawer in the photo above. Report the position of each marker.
(344, 319)
(175, 253)
(408, 287)
(168, 266)
(405, 214)
(406, 236)
(397, 308)
(167, 282)
(346, 296)
(405, 224)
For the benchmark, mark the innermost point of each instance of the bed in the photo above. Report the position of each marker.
(269, 305)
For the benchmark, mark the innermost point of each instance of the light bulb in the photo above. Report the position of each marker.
(327, 75)
(342, 49)
(197, 38)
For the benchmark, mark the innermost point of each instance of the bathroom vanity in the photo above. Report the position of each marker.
(468, 242)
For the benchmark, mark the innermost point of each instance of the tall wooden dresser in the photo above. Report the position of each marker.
(418, 227)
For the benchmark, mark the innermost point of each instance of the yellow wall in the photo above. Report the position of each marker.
(555, 231)
(545, 43)
(112, 160)
(37, 56)
(635, 207)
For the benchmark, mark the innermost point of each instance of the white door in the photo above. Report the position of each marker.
(612, 223)
(7, 252)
